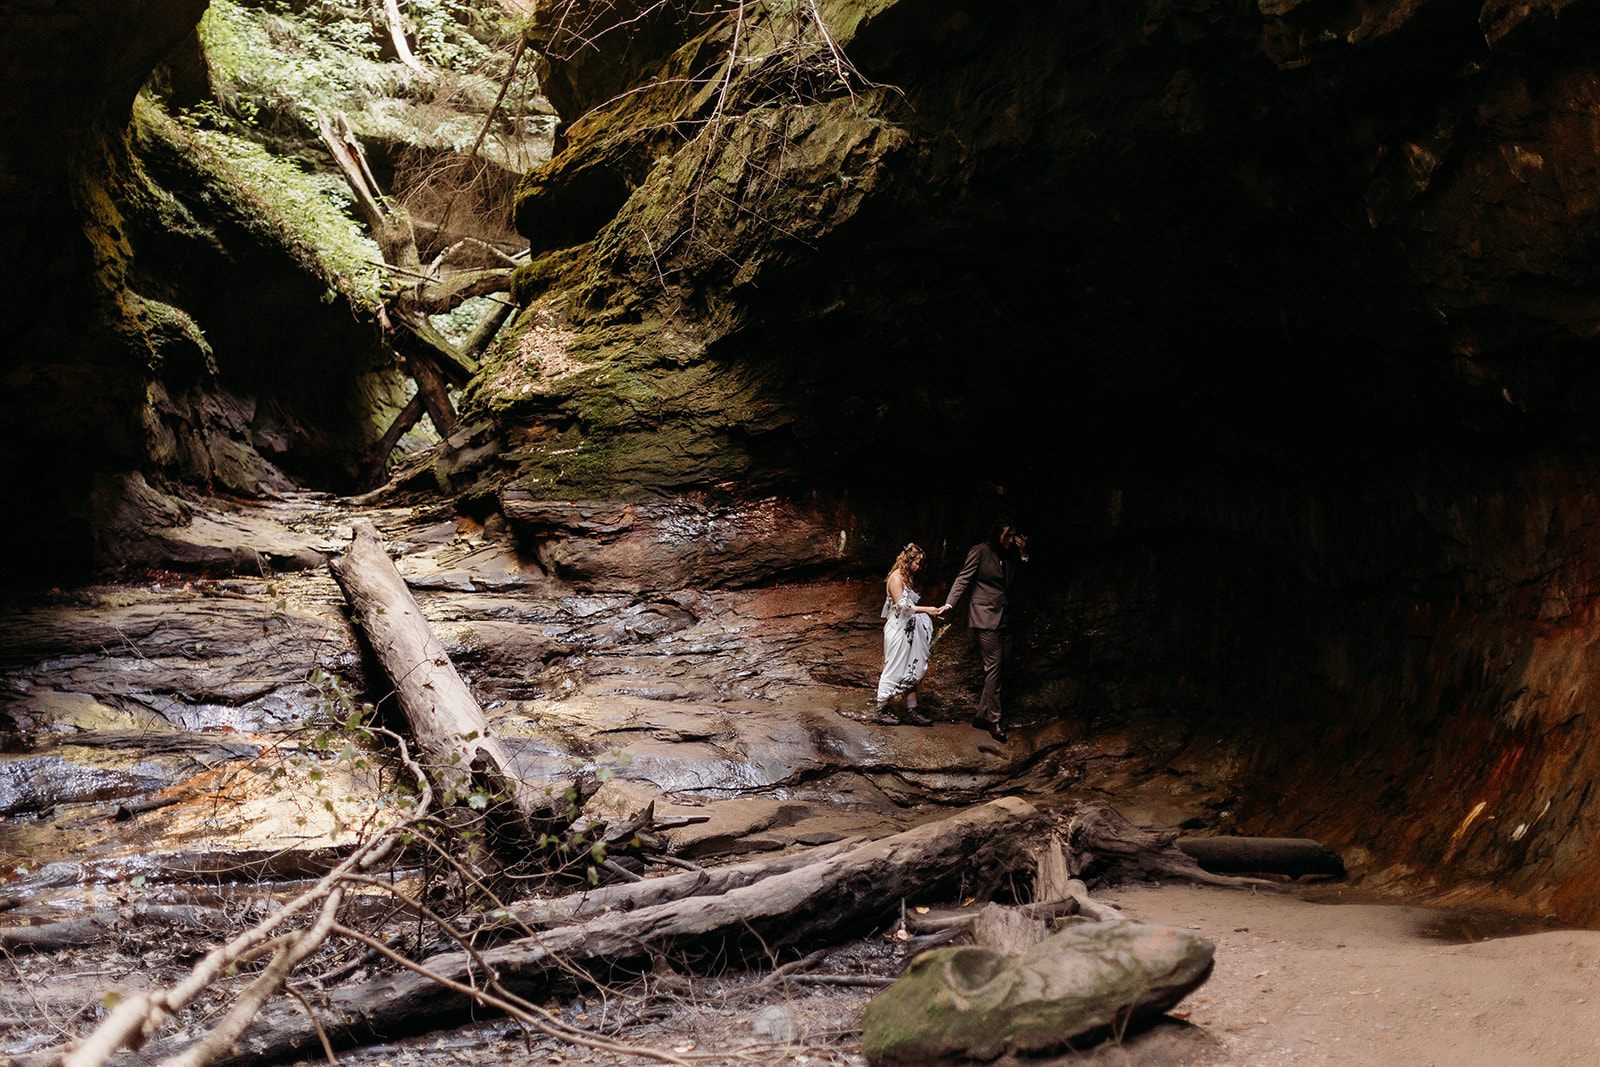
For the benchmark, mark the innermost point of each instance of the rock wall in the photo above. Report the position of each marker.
(70, 396)
(1274, 320)
(160, 339)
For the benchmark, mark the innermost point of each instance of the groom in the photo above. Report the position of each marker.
(990, 569)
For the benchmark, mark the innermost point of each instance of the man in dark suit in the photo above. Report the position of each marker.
(990, 570)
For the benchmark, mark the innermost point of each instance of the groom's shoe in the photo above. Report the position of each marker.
(916, 718)
(994, 728)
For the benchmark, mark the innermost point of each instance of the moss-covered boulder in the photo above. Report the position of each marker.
(955, 1005)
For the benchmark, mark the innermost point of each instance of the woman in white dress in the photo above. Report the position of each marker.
(907, 633)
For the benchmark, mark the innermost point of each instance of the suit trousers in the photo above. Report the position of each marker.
(995, 646)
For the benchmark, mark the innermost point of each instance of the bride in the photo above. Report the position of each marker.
(907, 633)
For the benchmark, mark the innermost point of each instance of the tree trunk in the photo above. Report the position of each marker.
(1106, 848)
(434, 393)
(441, 711)
(834, 898)
(408, 417)
(1292, 856)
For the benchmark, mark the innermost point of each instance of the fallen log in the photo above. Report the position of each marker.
(444, 717)
(710, 882)
(95, 929)
(1293, 856)
(1107, 849)
(834, 898)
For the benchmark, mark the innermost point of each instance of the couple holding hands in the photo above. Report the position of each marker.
(990, 569)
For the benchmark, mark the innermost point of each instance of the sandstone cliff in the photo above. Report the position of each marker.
(1275, 320)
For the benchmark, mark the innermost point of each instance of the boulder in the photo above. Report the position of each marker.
(966, 1003)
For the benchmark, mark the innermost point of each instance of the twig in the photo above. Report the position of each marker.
(792, 966)
(488, 120)
(244, 1010)
(522, 1011)
(322, 1035)
(622, 872)
(27, 988)
(840, 979)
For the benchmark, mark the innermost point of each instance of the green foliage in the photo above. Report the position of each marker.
(441, 33)
(307, 213)
(324, 57)
(272, 62)
(458, 323)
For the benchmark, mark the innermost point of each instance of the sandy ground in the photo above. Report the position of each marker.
(1371, 986)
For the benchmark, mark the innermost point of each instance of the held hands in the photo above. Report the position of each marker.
(941, 612)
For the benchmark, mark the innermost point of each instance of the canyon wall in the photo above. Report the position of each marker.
(1275, 321)
(167, 336)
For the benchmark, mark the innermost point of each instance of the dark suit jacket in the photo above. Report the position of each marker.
(990, 575)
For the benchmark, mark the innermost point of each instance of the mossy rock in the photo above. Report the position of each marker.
(971, 1003)
(532, 280)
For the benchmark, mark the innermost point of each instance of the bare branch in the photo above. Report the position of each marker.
(244, 1009)
(397, 33)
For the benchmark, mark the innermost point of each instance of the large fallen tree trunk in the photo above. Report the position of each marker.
(649, 892)
(450, 728)
(1105, 848)
(1293, 856)
(828, 900)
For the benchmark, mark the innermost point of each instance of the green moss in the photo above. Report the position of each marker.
(172, 344)
(178, 350)
(532, 280)
(306, 214)
(792, 155)
(268, 63)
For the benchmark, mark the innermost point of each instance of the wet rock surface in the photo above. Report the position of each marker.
(146, 721)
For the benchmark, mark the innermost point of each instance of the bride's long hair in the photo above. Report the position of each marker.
(902, 562)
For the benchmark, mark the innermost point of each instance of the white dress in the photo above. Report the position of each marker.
(906, 637)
